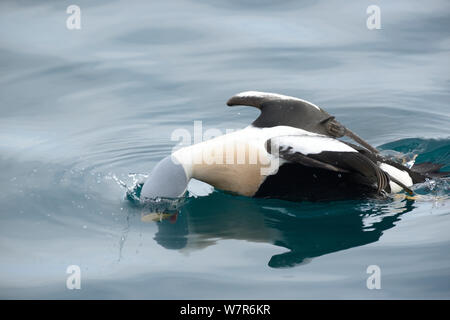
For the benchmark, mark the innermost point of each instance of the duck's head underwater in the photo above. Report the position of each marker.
(291, 151)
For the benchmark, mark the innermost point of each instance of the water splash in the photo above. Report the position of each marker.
(123, 238)
(433, 189)
(133, 191)
(406, 159)
(158, 205)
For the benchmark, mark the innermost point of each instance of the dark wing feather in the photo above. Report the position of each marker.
(281, 110)
(331, 157)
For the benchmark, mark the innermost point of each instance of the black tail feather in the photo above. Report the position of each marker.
(430, 170)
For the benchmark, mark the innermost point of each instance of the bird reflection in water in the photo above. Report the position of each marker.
(307, 230)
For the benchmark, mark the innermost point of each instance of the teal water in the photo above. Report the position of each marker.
(85, 114)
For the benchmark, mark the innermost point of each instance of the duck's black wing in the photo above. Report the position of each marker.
(331, 159)
(281, 110)
(419, 172)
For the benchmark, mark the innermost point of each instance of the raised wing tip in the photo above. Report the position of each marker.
(243, 98)
(256, 98)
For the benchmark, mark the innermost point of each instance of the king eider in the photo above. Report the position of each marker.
(290, 152)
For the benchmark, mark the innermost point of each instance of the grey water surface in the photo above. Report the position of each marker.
(85, 113)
